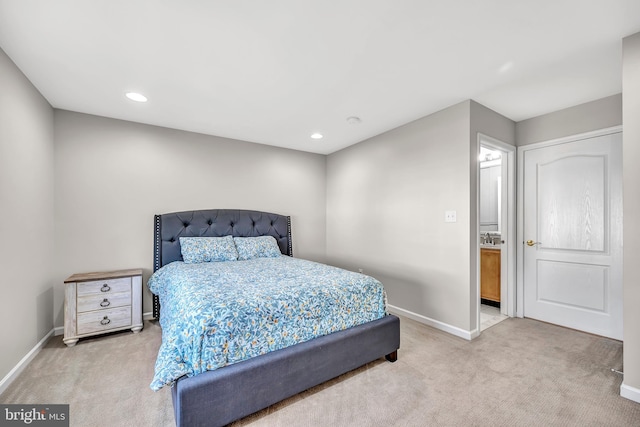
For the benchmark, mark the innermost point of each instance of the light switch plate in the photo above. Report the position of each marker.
(450, 216)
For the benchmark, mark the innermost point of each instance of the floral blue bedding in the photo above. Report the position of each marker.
(218, 313)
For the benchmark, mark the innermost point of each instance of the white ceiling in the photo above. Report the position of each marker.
(274, 72)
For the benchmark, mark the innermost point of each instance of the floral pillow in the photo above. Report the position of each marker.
(257, 247)
(208, 249)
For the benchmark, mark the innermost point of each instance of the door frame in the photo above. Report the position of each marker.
(520, 226)
(508, 224)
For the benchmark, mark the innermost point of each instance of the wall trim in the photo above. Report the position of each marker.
(509, 221)
(571, 138)
(629, 392)
(453, 330)
(22, 364)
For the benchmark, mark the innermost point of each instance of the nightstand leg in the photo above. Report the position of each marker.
(71, 342)
(136, 329)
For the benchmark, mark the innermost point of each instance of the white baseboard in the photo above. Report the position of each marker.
(13, 374)
(453, 330)
(59, 330)
(629, 392)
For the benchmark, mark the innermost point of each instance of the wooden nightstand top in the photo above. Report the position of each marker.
(84, 277)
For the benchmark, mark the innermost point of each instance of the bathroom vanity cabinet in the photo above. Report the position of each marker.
(490, 274)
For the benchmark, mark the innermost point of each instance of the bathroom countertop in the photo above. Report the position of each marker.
(494, 247)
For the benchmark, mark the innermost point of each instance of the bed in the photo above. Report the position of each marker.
(223, 395)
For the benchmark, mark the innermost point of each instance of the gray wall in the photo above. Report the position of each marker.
(26, 215)
(386, 200)
(112, 176)
(490, 123)
(631, 183)
(599, 114)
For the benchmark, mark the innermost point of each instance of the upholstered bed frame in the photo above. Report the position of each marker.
(216, 398)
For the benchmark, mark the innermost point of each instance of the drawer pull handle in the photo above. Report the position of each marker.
(105, 321)
(105, 288)
(105, 303)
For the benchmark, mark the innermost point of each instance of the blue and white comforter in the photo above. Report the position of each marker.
(218, 313)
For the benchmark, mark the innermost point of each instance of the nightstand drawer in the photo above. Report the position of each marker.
(103, 301)
(100, 320)
(103, 287)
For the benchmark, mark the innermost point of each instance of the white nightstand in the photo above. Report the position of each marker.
(97, 303)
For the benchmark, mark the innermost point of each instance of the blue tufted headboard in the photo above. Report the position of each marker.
(213, 223)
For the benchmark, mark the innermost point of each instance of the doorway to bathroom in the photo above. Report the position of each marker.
(496, 225)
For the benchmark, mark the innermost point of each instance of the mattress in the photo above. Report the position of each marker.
(218, 313)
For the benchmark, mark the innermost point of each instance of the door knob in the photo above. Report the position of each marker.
(532, 243)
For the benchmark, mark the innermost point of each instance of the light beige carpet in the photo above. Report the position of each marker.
(518, 373)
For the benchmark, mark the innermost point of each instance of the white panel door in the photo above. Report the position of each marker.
(573, 235)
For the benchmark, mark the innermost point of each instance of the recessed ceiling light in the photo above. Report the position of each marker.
(353, 120)
(135, 96)
(316, 135)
